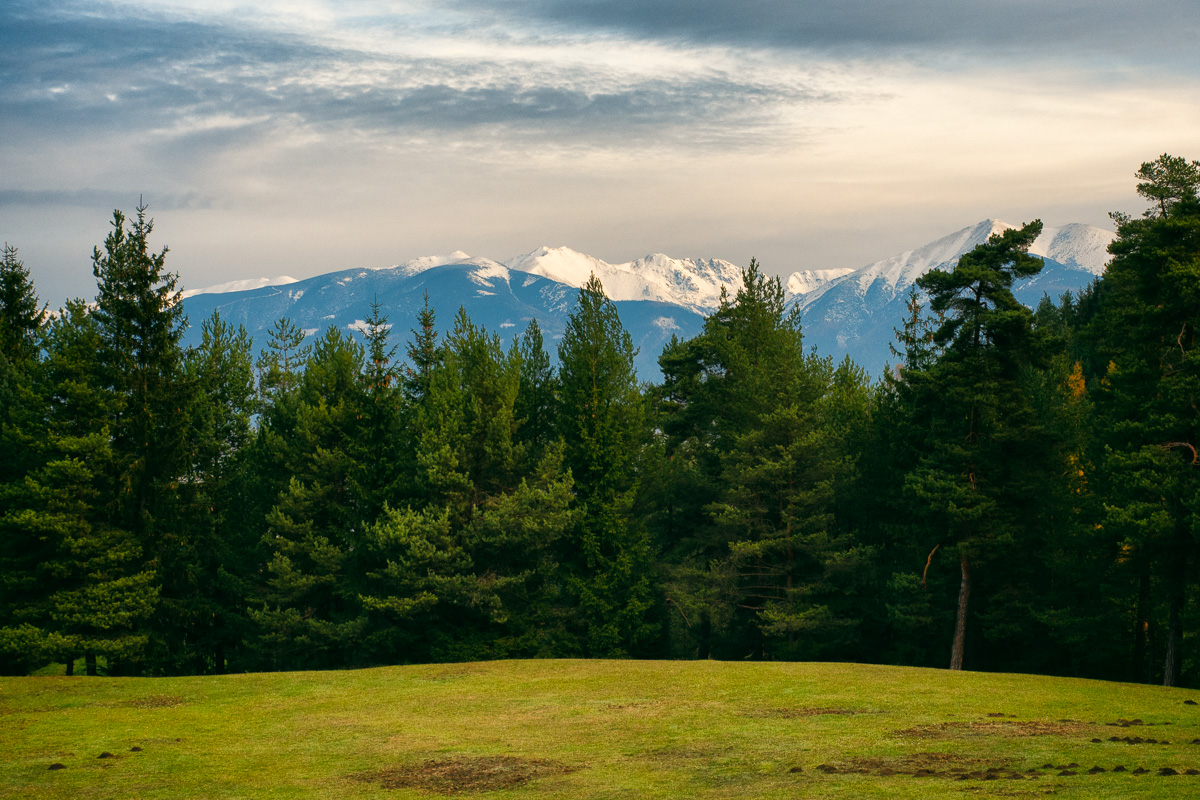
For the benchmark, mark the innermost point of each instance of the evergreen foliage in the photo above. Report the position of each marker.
(21, 319)
(1019, 490)
(601, 421)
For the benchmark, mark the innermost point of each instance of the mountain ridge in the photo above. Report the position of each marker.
(844, 311)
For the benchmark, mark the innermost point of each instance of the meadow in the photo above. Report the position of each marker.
(597, 729)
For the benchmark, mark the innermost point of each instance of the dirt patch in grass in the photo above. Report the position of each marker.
(948, 766)
(153, 701)
(1007, 728)
(466, 774)
(672, 755)
(919, 765)
(630, 705)
(800, 713)
(449, 672)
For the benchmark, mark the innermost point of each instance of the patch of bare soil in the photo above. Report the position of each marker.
(800, 713)
(632, 705)
(466, 774)
(452, 672)
(921, 765)
(952, 767)
(672, 755)
(153, 701)
(1008, 728)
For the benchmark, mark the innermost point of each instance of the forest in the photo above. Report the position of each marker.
(1020, 492)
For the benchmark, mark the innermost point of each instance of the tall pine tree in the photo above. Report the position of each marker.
(602, 423)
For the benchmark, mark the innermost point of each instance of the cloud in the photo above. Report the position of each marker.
(1117, 26)
(103, 198)
(191, 88)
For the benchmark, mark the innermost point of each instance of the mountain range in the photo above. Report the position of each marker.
(844, 311)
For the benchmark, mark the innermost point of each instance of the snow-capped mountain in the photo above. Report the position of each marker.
(501, 299)
(855, 314)
(1075, 246)
(809, 280)
(240, 286)
(692, 283)
(415, 265)
(844, 311)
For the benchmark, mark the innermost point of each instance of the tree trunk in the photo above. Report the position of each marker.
(70, 666)
(1174, 639)
(1143, 654)
(1177, 600)
(219, 659)
(89, 659)
(960, 620)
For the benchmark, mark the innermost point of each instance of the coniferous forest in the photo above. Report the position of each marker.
(1020, 492)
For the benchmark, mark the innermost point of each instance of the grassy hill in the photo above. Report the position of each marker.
(597, 729)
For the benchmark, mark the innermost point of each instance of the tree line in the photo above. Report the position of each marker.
(1019, 492)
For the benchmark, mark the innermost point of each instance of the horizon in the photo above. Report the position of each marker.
(460, 257)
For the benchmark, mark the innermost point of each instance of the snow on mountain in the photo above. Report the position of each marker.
(499, 299)
(855, 314)
(809, 280)
(894, 275)
(844, 311)
(1076, 245)
(692, 283)
(240, 286)
(416, 265)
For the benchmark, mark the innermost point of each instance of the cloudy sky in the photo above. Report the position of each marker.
(296, 138)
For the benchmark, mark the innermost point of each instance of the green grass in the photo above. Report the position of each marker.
(589, 729)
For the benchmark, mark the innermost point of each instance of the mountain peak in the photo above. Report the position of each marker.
(239, 286)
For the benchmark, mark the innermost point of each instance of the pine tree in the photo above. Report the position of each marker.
(210, 603)
(986, 450)
(71, 581)
(1148, 388)
(280, 364)
(21, 319)
(602, 423)
(311, 614)
(758, 559)
(378, 454)
(140, 321)
(422, 354)
(536, 407)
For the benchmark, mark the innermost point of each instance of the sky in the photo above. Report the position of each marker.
(297, 138)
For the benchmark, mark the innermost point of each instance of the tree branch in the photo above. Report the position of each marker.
(928, 561)
(680, 610)
(1170, 445)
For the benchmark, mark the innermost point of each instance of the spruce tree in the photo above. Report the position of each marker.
(602, 424)
(1147, 382)
(72, 582)
(378, 453)
(21, 318)
(140, 321)
(210, 604)
(748, 423)
(422, 354)
(986, 452)
(310, 612)
(536, 407)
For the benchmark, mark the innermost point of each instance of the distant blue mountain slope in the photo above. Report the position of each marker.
(860, 320)
(844, 312)
(499, 299)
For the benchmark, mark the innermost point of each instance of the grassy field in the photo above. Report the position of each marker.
(596, 729)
